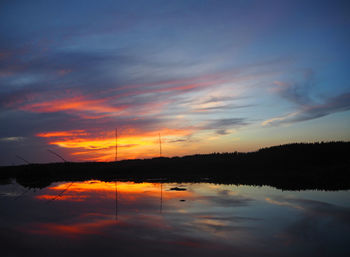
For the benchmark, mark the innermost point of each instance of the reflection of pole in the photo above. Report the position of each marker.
(161, 198)
(116, 144)
(60, 194)
(116, 200)
(160, 147)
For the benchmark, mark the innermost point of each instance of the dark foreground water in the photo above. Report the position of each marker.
(94, 218)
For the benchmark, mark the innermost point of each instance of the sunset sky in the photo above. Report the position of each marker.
(209, 76)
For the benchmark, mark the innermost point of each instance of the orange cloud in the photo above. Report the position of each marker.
(73, 104)
(63, 72)
(62, 133)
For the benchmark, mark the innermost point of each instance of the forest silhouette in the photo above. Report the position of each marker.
(296, 166)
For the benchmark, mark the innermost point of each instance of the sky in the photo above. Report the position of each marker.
(207, 76)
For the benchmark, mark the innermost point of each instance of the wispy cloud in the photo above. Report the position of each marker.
(11, 139)
(226, 123)
(296, 92)
(140, 67)
(63, 133)
(300, 94)
(308, 112)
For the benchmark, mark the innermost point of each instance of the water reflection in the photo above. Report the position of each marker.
(94, 218)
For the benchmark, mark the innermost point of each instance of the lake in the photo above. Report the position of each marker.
(95, 218)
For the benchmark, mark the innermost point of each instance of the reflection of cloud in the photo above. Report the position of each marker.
(317, 217)
(314, 208)
(69, 230)
(227, 200)
(283, 203)
(228, 218)
(317, 208)
(320, 224)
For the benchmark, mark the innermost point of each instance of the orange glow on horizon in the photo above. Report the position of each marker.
(133, 143)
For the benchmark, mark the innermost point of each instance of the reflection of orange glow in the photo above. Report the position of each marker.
(99, 194)
(130, 190)
(96, 226)
(74, 198)
(72, 229)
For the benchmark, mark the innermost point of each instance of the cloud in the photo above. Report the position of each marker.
(12, 139)
(296, 92)
(308, 112)
(62, 133)
(300, 93)
(222, 132)
(220, 107)
(225, 123)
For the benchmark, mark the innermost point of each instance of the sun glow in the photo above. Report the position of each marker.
(132, 143)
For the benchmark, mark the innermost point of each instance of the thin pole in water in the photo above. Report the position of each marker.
(160, 146)
(161, 198)
(116, 200)
(116, 144)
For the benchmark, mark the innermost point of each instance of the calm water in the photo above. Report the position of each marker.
(94, 218)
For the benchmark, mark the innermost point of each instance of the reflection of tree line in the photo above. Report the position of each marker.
(291, 166)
